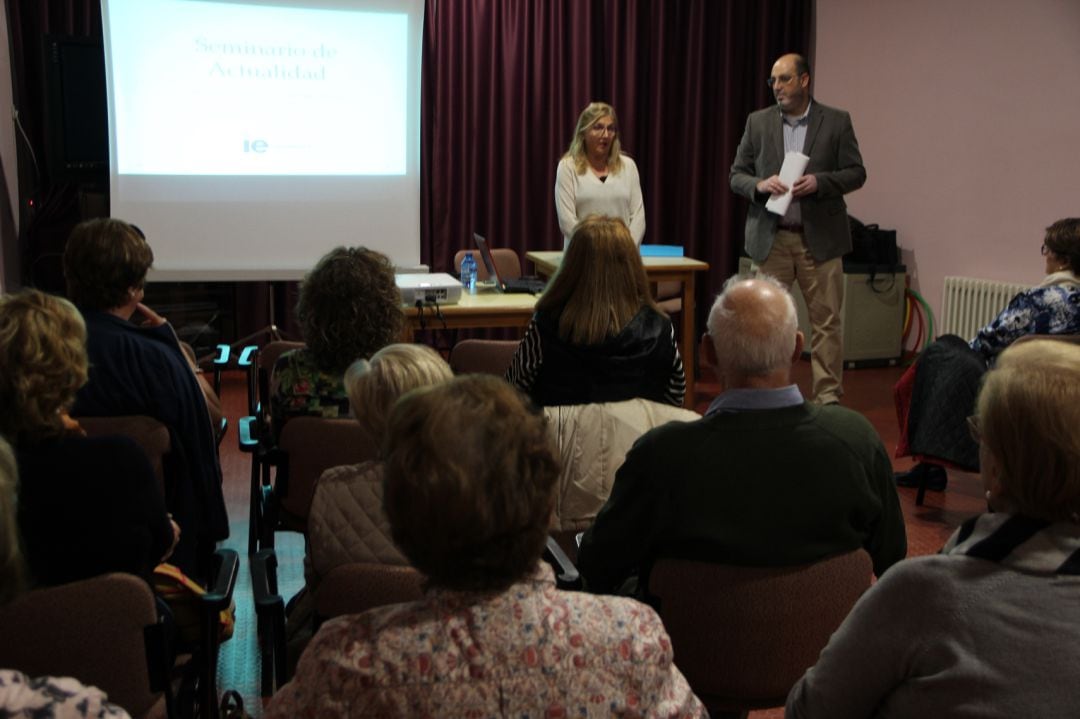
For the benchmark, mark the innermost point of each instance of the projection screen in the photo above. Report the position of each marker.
(248, 138)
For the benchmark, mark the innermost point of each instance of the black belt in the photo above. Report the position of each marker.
(790, 228)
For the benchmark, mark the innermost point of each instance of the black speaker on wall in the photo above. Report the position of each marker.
(76, 115)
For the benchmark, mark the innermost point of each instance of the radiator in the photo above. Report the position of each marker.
(969, 304)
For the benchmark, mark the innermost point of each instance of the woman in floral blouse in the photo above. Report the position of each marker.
(470, 478)
(935, 396)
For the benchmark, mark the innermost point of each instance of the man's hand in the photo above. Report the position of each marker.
(805, 185)
(772, 186)
(152, 319)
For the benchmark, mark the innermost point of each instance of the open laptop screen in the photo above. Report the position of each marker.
(485, 255)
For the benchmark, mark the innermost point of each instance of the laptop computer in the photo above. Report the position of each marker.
(529, 285)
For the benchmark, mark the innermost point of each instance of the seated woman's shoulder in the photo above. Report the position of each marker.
(364, 472)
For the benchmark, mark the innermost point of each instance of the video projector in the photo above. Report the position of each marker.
(434, 288)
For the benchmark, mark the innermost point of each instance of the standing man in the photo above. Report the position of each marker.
(806, 244)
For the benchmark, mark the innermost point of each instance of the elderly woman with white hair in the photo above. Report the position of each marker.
(990, 627)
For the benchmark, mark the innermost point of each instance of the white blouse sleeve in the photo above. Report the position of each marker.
(566, 197)
(637, 202)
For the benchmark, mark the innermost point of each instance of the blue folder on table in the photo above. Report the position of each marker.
(661, 250)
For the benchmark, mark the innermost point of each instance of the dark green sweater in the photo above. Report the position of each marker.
(770, 487)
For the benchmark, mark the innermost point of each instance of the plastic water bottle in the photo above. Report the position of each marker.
(468, 273)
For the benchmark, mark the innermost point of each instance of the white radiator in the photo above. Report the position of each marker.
(969, 304)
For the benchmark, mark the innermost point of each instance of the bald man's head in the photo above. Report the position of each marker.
(790, 83)
(753, 328)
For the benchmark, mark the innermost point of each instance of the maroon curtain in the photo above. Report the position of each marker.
(503, 84)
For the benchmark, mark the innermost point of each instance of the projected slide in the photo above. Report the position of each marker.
(219, 88)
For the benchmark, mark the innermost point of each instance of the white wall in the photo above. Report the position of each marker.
(968, 117)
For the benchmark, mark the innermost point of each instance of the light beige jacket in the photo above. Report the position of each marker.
(347, 522)
(593, 440)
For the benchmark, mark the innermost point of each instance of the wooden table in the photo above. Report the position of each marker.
(659, 269)
(487, 308)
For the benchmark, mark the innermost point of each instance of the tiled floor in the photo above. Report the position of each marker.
(868, 391)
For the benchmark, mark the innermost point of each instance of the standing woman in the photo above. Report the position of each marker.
(594, 177)
(597, 335)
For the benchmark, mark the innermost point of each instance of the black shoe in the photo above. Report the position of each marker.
(935, 477)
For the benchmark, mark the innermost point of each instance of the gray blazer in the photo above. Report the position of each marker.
(834, 160)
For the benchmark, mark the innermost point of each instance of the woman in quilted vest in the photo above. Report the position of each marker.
(347, 522)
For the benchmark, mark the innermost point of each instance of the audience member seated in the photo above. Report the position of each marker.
(935, 396)
(349, 308)
(592, 441)
(141, 369)
(52, 697)
(764, 479)
(87, 505)
(347, 521)
(990, 626)
(597, 335)
(12, 566)
(470, 475)
(20, 695)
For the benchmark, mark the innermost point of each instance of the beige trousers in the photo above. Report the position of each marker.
(822, 285)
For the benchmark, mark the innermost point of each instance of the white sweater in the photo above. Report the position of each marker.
(619, 195)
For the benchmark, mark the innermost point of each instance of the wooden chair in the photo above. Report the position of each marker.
(669, 297)
(307, 447)
(482, 356)
(360, 586)
(270, 621)
(96, 631)
(106, 632)
(507, 263)
(151, 436)
(254, 433)
(743, 636)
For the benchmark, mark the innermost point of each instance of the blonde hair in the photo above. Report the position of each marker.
(42, 363)
(12, 568)
(1029, 419)
(593, 113)
(373, 386)
(600, 284)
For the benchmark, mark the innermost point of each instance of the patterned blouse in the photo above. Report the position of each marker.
(299, 388)
(1052, 308)
(530, 652)
(53, 697)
